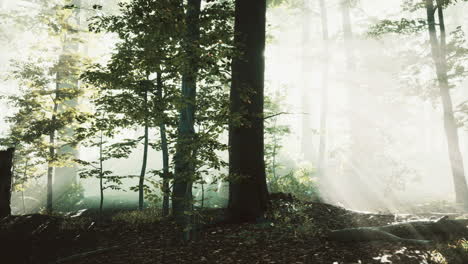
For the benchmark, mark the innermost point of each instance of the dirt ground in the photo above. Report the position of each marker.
(293, 232)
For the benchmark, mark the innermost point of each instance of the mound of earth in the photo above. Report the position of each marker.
(293, 232)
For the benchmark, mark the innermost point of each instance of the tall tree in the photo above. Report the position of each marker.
(439, 55)
(348, 34)
(66, 177)
(248, 194)
(324, 96)
(164, 148)
(306, 136)
(184, 171)
(448, 59)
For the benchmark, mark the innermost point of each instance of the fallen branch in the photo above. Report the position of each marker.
(86, 254)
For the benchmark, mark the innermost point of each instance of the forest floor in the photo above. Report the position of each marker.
(294, 232)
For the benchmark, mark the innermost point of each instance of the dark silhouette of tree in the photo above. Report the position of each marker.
(248, 194)
(6, 163)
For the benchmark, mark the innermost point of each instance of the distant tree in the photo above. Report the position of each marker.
(446, 58)
(127, 82)
(248, 194)
(322, 153)
(274, 134)
(156, 55)
(38, 116)
(94, 136)
(306, 136)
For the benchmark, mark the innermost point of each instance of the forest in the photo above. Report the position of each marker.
(233, 131)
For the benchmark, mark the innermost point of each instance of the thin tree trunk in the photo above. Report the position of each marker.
(145, 154)
(306, 137)
(25, 176)
(353, 163)
(6, 164)
(248, 193)
(165, 151)
(52, 154)
(348, 35)
(203, 195)
(324, 96)
(101, 175)
(184, 173)
(451, 130)
(275, 146)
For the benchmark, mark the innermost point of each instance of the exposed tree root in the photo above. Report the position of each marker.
(418, 232)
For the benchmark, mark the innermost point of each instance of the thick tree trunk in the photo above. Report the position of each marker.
(324, 104)
(184, 171)
(66, 177)
(145, 154)
(6, 164)
(165, 152)
(248, 194)
(438, 49)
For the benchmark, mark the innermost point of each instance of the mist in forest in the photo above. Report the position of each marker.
(373, 139)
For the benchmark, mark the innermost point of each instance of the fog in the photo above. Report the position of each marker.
(386, 148)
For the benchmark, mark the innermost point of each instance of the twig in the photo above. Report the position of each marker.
(86, 254)
(283, 113)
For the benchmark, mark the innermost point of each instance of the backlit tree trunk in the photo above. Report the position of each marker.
(248, 194)
(438, 49)
(66, 177)
(307, 135)
(324, 100)
(52, 152)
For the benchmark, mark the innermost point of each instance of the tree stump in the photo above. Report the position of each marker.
(6, 163)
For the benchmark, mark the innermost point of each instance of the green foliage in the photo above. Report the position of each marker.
(297, 181)
(274, 134)
(417, 76)
(138, 85)
(295, 219)
(70, 199)
(300, 182)
(402, 26)
(288, 3)
(140, 217)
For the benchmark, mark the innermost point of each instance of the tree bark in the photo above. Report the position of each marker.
(184, 171)
(6, 164)
(101, 174)
(165, 151)
(438, 49)
(248, 194)
(324, 99)
(52, 153)
(145, 153)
